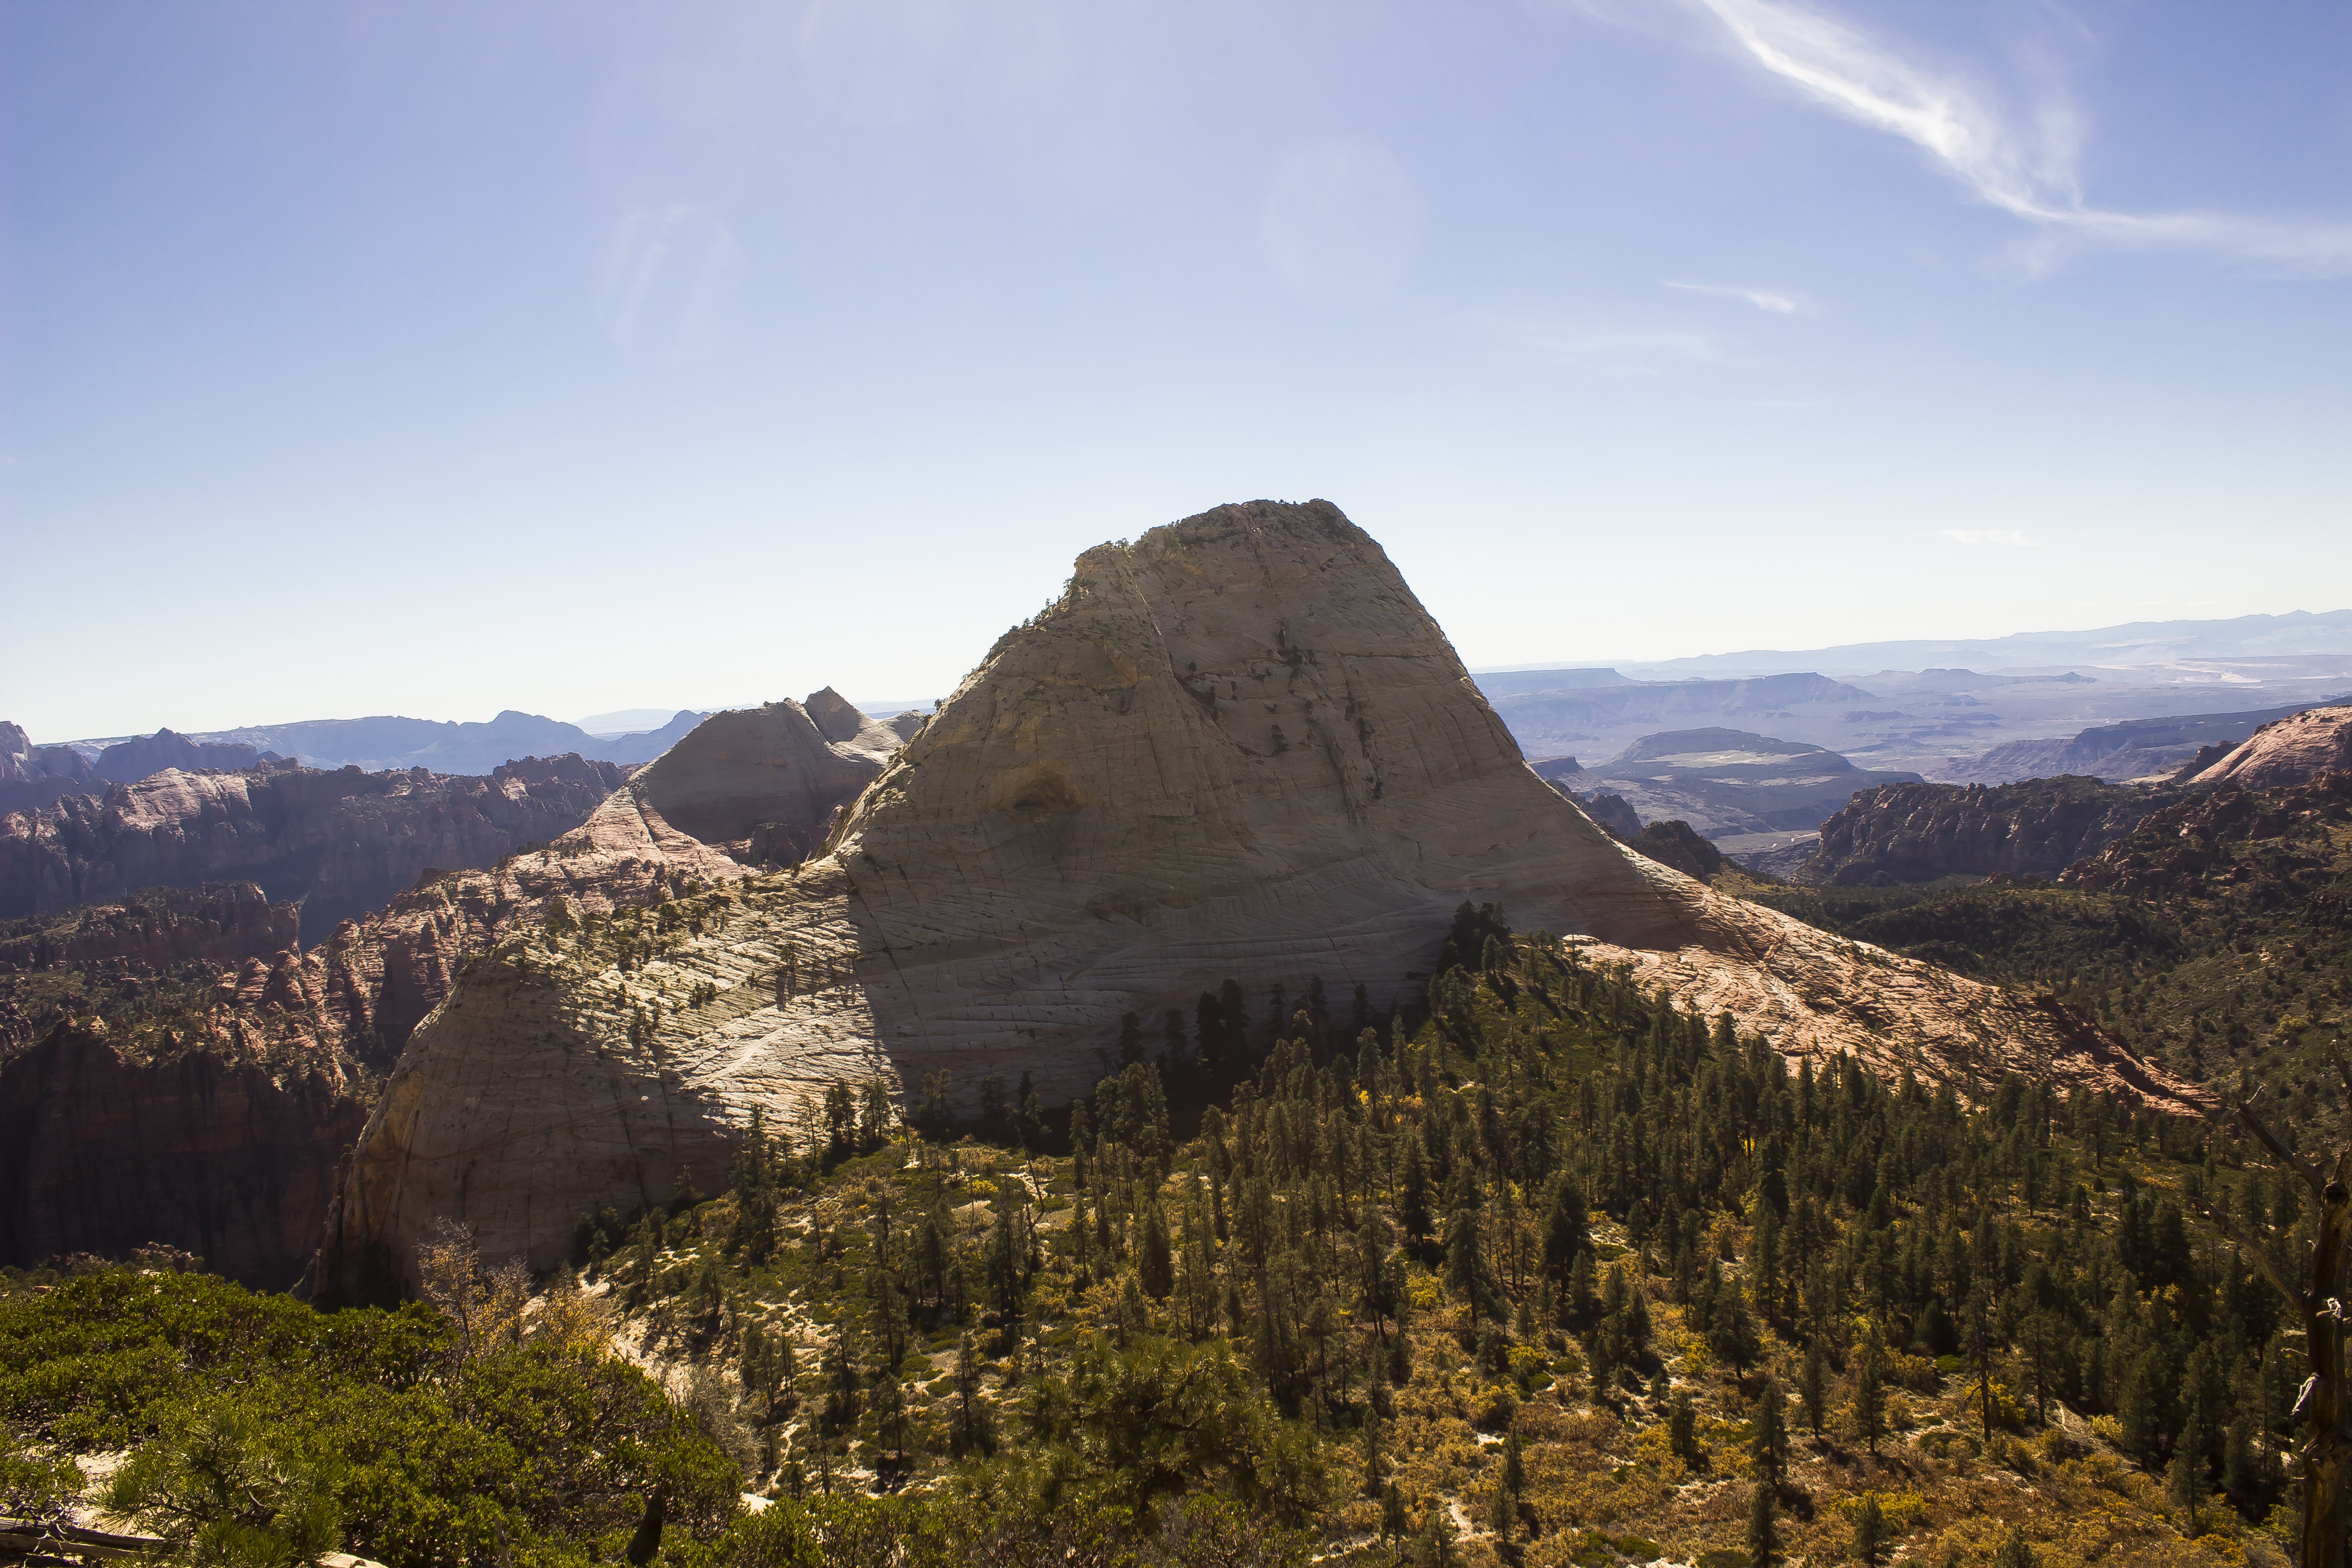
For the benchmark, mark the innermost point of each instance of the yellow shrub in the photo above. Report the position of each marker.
(1901, 1510)
(2108, 1429)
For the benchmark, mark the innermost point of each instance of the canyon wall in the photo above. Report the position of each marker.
(343, 842)
(1920, 832)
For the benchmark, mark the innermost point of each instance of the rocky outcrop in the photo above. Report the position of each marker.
(2177, 845)
(1920, 832)
(34, 775)
(342, 842)
(774, 774)
(1676, 844)
(1611, 810)
(198, 1029)
(218, 926)
(128, 761)
(1237, 748)
(2290, 750)
(225, 1158)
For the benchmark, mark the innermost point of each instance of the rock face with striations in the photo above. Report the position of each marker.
(1236, 748)
(205, 1103)
(2290, 750)
(345, 842)
(1920, 832)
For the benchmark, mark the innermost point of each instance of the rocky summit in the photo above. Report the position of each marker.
(1237, 748)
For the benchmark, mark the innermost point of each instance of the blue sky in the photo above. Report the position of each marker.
(437, 359)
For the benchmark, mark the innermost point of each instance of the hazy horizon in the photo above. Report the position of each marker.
(437, 361)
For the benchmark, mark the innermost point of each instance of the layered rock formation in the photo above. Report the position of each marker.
(2290, 750)
(218, 926)
(1920, 832)
(2178, 845)
(33, 776)
(345, 842)
(774, 774)
(1237, 748)
(195, 1027)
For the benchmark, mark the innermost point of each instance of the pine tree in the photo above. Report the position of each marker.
(1870, 1393)
(1770, 1445)
(1567, 1236)
(1681, 1431)
(2185, 1484)
(1763, 1527)
(1155, 1265)
(972, 1425)
(1869, 1534)
(2014, 1552)
(1813, 1388)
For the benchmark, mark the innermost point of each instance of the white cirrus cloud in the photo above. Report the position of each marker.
(669, 277)
(1622, 351)
(1762, 298)
(2013, 537)
(2032, 176)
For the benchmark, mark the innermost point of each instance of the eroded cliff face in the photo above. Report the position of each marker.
(33, 776)
(1918, 832)
(1236, 748)
(196, 1025)
(224, 1158)
(345, 842)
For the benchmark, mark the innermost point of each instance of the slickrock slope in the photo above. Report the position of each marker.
(764, 782)
(344, 841)
(1918, 832)
(1237, 748)
(208, 1069)
(2291, 750)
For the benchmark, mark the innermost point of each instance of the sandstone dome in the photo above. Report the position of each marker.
(1235, 748)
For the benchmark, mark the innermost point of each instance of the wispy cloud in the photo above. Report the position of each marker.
(1762, 298)
(2032, 176)
(2013, 537)
(1624, 351)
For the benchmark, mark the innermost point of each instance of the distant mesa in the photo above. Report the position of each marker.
(128, 761)
(1500, 683)
(2134, 749)
(1556, 768)
(1726, 781)
(1236, 749)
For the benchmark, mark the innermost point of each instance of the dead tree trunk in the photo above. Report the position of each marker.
(2325, 1401)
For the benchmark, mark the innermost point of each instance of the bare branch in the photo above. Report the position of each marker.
(2284, 1155)
(2260, 1259)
